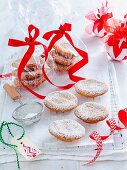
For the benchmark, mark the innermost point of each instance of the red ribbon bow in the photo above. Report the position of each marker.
(119, 33)
(59, 34)
(31, 42)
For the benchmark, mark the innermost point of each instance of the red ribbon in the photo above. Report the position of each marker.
(5, 75)
(101, 20)
(122, 115)
(31, 42)
(118, 34)
(58, 35)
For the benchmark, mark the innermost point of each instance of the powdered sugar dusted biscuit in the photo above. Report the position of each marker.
(61, 101)
(90, 88)
(67, 130)
(31, 83)
(64, 49)
(91, 112)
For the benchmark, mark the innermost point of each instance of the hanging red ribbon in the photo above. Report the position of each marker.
(122, 115)
(31, 43)
(58, 35)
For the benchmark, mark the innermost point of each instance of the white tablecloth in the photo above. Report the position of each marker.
(7, 23)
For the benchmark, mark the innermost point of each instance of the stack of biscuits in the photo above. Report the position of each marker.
(62, 57)
(32, 75)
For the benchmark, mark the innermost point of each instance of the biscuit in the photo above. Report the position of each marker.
(66, 130)
(59, 67)
(63, 48)
(90, 88)
(61, 101)
(28, 75)
(91, 112)
(31, 65)
(61, 59)
(31, 83)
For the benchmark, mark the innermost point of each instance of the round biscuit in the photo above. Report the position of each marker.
(61, 101)
(91, 88)
(66, 130)
(91, 112)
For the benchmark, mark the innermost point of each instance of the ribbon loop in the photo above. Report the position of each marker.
(58, 35)
(36, 32)
(65, 27)
(31, 42)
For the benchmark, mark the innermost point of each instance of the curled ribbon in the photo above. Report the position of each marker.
(31, 42)
(122, 115)
(7, 125)
(58, 35)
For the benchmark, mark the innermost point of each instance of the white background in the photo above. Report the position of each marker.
(8, 24)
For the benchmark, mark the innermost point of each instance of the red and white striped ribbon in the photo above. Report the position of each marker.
(5, 75)
(122, 115)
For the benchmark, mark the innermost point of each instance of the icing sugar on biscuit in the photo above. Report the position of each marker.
(91, 112)
(61, 101)
(91, 88)
(66, 130)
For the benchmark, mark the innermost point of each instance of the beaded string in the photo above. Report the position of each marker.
(8, 124)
